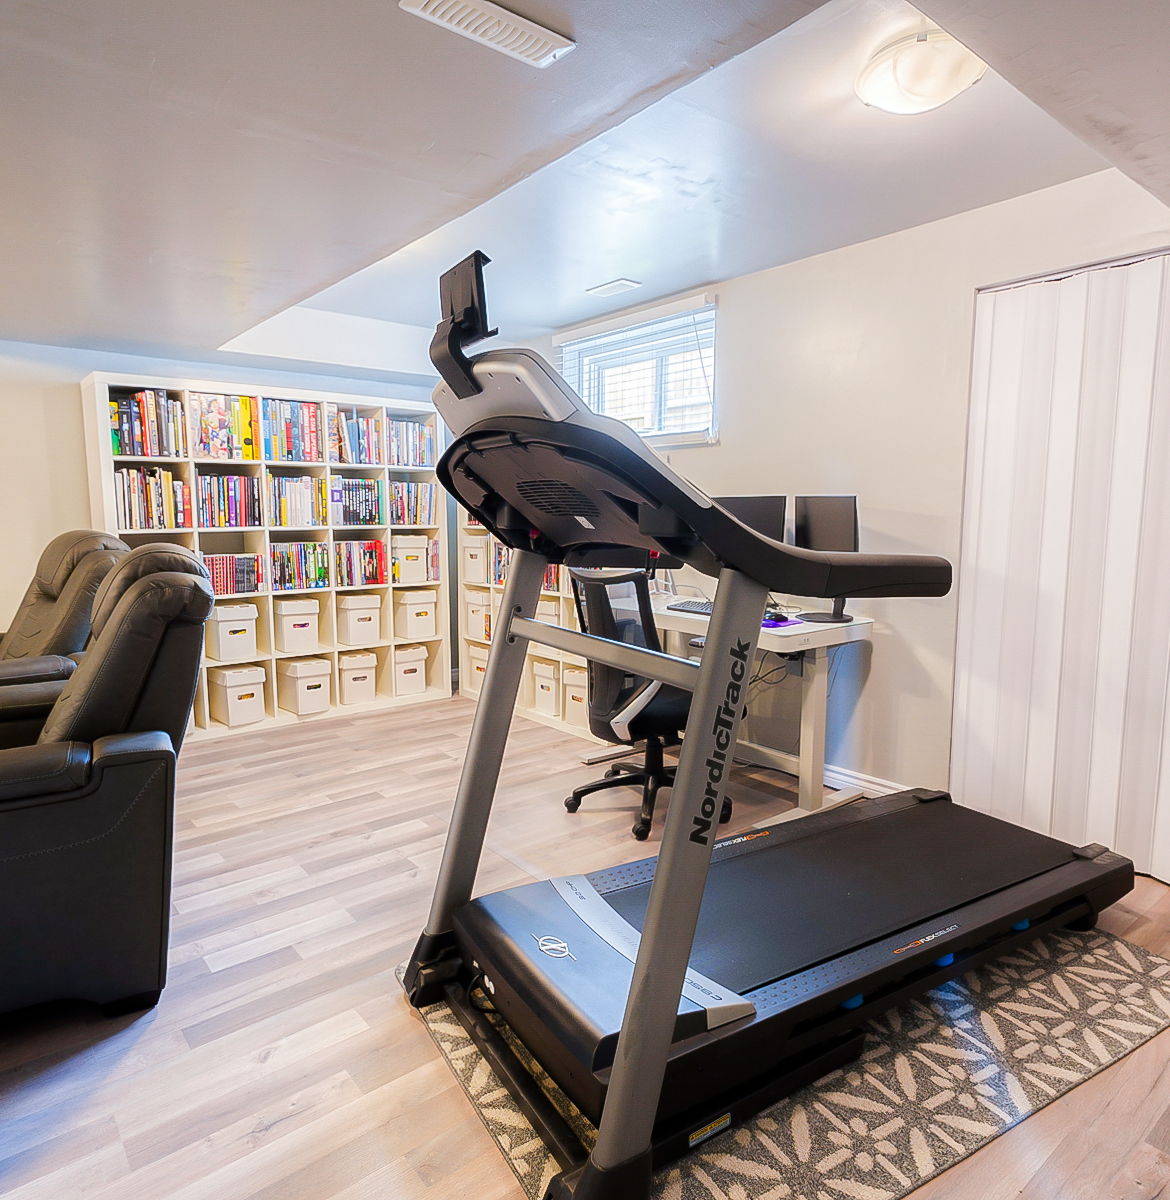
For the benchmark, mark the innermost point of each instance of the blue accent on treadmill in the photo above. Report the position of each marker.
(854, 1001)
(1020, 926)
(945, 961)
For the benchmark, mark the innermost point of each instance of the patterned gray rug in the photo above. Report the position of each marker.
(940, 1077)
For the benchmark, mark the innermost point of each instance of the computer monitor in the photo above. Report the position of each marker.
(764, 514)
(826, 523)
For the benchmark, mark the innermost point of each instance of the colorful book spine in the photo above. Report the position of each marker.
(412, 503)
(360, 563)
(235, 574)
(412, 444)
(299, 566)
(151, 498)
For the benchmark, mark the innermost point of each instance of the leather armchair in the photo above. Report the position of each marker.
(53, 619)
(25, 702)
(86, 813)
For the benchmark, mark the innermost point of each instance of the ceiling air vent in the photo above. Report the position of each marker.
(494, 26)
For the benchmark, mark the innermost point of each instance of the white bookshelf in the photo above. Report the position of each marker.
(557, 603)
(259, 538)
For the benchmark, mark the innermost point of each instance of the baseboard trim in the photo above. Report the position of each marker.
(835, 777)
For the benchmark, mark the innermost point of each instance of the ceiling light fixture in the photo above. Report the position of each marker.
(493, 26)
(917, 73)
(613, 287)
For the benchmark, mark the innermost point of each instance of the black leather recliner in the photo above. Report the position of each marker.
(53, 619)
(86, 813)
(25, 703)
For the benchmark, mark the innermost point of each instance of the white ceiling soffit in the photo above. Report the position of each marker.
(1102, 70)
(767, 159)
(175, 173)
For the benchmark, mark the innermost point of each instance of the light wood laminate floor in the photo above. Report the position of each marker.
(282, 1062)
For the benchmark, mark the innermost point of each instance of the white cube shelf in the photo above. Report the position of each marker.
(368, 486)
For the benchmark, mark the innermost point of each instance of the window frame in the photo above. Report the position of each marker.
(590, 384)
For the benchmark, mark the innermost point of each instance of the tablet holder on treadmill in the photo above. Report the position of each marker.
(464, 322)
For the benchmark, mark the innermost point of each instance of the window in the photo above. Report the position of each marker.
(658, 376)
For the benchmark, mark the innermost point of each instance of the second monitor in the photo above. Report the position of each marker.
(827, 523)
(764, 514)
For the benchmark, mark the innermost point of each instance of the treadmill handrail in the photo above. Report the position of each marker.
(667, 668)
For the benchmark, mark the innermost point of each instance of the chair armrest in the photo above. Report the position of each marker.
(120, 748)
(42, 668)
(43, 770)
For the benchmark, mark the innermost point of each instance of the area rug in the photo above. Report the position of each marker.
(940, 1077)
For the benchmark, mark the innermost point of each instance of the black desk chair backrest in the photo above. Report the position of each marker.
(614, 605)
(54, 613)
(625, 707)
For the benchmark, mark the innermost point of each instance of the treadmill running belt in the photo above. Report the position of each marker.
(787, 906)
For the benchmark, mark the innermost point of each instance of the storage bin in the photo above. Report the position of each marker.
(414, 614)
(231, 632)
(302, 685)
(408, 556)
(410, 670)
(477, 659)
(546, 695)
(235, 695)
(548, 611)
(479, 625)
(357, 675)
(576, 681)
(475, 560)
(357, 619)
(296, 626)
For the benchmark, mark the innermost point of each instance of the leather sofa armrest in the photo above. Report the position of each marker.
(22, 701)
(43, 770)
(43, 668)
(24, 708)
(120, 748)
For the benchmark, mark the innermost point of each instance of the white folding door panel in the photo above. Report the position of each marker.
(1063, 650)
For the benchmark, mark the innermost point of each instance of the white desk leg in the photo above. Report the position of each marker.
(814, 696)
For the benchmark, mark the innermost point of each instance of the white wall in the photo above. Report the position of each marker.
(43, 481)
(849, 372)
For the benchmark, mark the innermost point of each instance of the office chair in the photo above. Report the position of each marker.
(624, 707)
(53, 618)
(87, 812)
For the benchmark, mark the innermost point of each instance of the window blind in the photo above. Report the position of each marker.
(657, 376)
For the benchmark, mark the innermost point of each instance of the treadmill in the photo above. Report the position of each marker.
(671, 998)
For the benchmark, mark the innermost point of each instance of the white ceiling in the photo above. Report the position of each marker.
(1103, 70)
(174, 173)
(764, 160)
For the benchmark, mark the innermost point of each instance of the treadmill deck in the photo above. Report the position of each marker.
(821, 923)
(782, 906)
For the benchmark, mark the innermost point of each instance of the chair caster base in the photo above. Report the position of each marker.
(572, 804)
(641, 831)
(725, 812)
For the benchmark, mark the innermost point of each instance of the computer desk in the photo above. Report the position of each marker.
(812, 641)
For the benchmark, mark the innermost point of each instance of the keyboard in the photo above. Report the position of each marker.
(704, 607)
